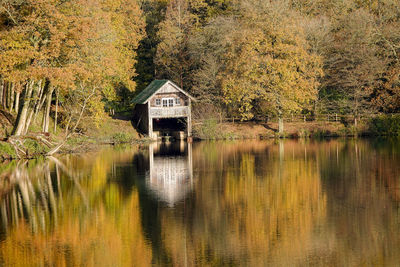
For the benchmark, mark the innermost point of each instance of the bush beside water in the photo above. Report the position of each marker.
(207, 130)
(123, 138)
(6, 151)
(385, 125)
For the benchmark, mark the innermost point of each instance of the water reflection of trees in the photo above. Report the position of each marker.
(362, 189)
(293, 203)
(252, 203)
(71, 212)
(248, 207)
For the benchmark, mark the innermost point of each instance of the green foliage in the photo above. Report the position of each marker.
(35, 148)
(79, 140)
(122, 137)
(385, 125)
(303, 133)
(207, 130)
(6, 150)
(154, 12)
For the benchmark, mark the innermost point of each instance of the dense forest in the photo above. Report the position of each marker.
(249, 59)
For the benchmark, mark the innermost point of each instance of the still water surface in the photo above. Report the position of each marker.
(253, 203)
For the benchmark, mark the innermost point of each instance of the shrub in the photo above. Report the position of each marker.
(122, 137)
(35, 148)
(387, 125)
(303, 133)
(6, 150)
(207, 130)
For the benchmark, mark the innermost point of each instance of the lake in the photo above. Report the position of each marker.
(245, 203)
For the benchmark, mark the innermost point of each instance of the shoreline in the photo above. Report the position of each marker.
(120, 131)
(90, 146)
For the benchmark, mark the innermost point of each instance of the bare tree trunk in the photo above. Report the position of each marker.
(7, 95)
(46, 114)
(4, 94)
(35, 107)
(40, 100)
(68, 134)
(280, 124)
(1, 92)
(56, 113)
(17, 95)
(11, 93)
(21, 119)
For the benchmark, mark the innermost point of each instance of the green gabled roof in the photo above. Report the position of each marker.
(144, 95)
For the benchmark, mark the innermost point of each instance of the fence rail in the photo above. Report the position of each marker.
(331, 117)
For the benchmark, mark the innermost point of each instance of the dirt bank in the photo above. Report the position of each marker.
(251, 130)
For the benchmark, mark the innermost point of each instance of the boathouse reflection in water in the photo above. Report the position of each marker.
(170, 177)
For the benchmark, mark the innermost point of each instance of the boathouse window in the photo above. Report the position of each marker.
(168, 102)
(158, 102)
(177, 102)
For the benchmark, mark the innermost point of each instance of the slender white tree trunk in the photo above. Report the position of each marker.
(280, 125)
(35, 96)
(17, 96)
(56, 113)
(11, 104)
(39, 100)
(20, 125)
(46, 114)
(1, 93)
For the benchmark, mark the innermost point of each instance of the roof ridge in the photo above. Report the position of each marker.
(152, 88)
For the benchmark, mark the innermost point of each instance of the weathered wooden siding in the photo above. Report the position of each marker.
(169, 112)
(182, 97)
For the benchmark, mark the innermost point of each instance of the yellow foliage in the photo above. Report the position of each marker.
(268, 59)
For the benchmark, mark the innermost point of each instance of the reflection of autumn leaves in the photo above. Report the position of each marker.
(363, 204)
(97, 240)
(253, 203)
(249, 213)
(106, 232)
(267, 212)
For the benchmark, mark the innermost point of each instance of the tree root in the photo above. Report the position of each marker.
(20, 148)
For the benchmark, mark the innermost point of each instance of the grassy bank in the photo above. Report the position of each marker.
(377, 126)
(90, 137)
(120, 130)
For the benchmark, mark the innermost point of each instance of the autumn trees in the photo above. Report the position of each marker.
(268, 61)
(360, 54)
(79, 49)
(256, 58)
(240, 55)
(245, 58)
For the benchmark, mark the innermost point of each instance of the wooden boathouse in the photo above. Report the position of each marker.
(163, 109)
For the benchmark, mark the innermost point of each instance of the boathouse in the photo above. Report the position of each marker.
(163, 109)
